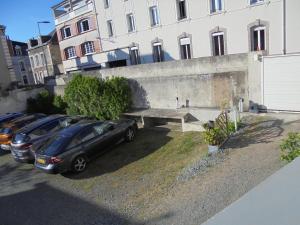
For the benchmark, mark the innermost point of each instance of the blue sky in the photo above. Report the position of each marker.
(20, 17)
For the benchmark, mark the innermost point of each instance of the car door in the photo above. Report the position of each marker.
(89, 140)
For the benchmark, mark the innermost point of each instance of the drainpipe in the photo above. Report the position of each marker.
(284, 27)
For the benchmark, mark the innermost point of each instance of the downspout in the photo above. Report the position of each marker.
(284, 27)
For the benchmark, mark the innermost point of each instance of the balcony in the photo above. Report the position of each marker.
(70, 9)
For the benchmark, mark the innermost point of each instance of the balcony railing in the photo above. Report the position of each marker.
(63, 17)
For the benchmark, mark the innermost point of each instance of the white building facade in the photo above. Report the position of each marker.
(130, 32)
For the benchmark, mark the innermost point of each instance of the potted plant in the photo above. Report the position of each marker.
(213, 137)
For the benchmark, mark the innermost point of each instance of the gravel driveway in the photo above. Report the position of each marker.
(105, 194)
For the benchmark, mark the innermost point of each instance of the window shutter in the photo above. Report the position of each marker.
(92, 22)
(78, 51)
(97, 46)
(59, 37)
(63, 55)
(74, 29)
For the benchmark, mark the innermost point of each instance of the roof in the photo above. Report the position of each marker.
(29, 128)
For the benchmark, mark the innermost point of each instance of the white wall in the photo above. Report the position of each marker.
(235, 19)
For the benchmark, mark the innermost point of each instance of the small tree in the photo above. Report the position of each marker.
(93, 97)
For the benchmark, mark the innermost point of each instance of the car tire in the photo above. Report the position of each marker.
(130, 134)
(79, 164)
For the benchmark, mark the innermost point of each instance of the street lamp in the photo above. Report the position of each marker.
(45, 58)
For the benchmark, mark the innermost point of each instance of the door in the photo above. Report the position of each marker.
(281, 82)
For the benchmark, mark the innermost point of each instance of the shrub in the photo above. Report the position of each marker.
(213, 136)
(290, 147)
(46, 103)
(103, 99)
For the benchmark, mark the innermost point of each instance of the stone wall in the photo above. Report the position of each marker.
(16, 101)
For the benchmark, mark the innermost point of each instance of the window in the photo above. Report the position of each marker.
(110, 28)
(22, 66)
(83, 26)
(25, 80)
(43, 59)
(41, 77)
(87, 135)
(32, 61)
(134, 55)
(258, 38)
(185, 48)
(158, 55)
(154, 16)
(216, 6)
(181, 9)
(130, 22)
(106, 3)
(218, 43)
(88, 48)
(253, 2)
(18, 50)
(70, 52)
(37, 61)
(66, 32)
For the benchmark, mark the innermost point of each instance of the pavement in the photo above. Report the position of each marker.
(273, 202)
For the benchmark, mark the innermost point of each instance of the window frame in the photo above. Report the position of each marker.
(218, 34)
(258, 29)
(37, 60)
(161, 55)
(258, 2)
(63, 32)
(137, 58)
(88, 45)
(152, 17)
(130, 23)
(216, 10)
(81, 26)
(106, 4)
(22, 66)
(110, 29)
(178, 9)
(187, 48)
(67, 52)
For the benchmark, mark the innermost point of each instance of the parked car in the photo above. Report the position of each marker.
(8, 117)
(72, 148)
(8, 129)
(31, 137)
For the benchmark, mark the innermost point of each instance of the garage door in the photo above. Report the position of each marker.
(281, 82)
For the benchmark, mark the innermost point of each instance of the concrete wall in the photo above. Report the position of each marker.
(16, 100)
(203, 82)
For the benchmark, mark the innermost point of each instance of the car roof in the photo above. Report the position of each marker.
(36, 124)
(9, 115)
(76, 128)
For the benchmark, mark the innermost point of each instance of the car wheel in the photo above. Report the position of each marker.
(79, 164)
(130, 134)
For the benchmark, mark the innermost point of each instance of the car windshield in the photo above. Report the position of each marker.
(5, 131)
(20, 138)
(54, 145)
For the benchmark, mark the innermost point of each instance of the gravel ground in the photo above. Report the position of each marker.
(105, 194)
(213, 184)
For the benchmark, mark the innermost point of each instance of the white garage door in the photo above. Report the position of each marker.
(281, 82)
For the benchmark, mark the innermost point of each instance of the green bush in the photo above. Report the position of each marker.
(46, 103)
(290, 147)
(103, 99)
(213, 136)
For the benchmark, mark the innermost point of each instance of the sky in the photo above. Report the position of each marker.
(20, 17)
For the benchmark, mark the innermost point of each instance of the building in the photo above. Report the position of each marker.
(6, 69)
(77, 31)
(45, 58)
(20, 62)
(131, 32)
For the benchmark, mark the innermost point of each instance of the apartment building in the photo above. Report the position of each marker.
(20, 62)
(45, 57)
(7, 74)
(78, 34)
(131, 32)
(148, 31)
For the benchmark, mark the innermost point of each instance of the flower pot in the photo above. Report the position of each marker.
(212, 149)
